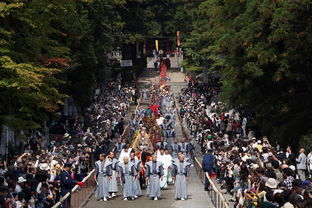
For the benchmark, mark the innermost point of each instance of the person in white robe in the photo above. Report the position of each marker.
(166, 159)
(125, 152)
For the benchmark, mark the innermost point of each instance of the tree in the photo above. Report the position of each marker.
(50, 48)
(262, 49)
(28, 92)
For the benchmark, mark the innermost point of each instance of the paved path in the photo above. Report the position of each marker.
(176, 84)
(198, 198)
(229, 198)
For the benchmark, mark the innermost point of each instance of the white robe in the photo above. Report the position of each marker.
(123, 154)
(167, 162)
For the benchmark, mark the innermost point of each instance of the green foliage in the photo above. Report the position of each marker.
(155, 18)
(27, 94)
(263, 51)
(193, 68)
(49, 48)
(53, 48)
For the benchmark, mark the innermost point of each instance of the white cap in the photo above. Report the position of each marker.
(293, 168)
(21, 180)
(271, 183)
(254, 166)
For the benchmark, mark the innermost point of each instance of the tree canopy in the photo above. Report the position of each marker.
(263, 51)
(50, 49)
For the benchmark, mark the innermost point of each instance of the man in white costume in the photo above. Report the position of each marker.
(166, 159)
(125, 153)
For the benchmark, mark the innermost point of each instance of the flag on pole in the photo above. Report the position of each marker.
(156, 44)
(178, 39)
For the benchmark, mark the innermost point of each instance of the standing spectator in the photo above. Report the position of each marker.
(208, 165)
(288, 178)
(67, 183)
(276, 169)
(301, 164)
(309, 163)
(102, 149)
(244, 124)
(4, 200)
(289, 156)
(3, 167)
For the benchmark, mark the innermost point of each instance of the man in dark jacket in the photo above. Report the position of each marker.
(208, 165)
(67, 183)
(101, 149)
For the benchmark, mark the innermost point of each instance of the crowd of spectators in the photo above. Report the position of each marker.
(32, 179)
(251, 169)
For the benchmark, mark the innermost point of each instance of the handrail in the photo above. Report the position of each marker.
(216, 201)
(59, 203)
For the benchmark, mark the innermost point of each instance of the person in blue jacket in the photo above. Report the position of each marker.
(208, 165)
(67, 183)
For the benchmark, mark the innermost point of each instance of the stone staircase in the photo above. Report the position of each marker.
(175, 62)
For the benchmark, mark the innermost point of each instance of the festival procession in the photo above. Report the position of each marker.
(249, 170)
(154, 159)
(156, 103)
